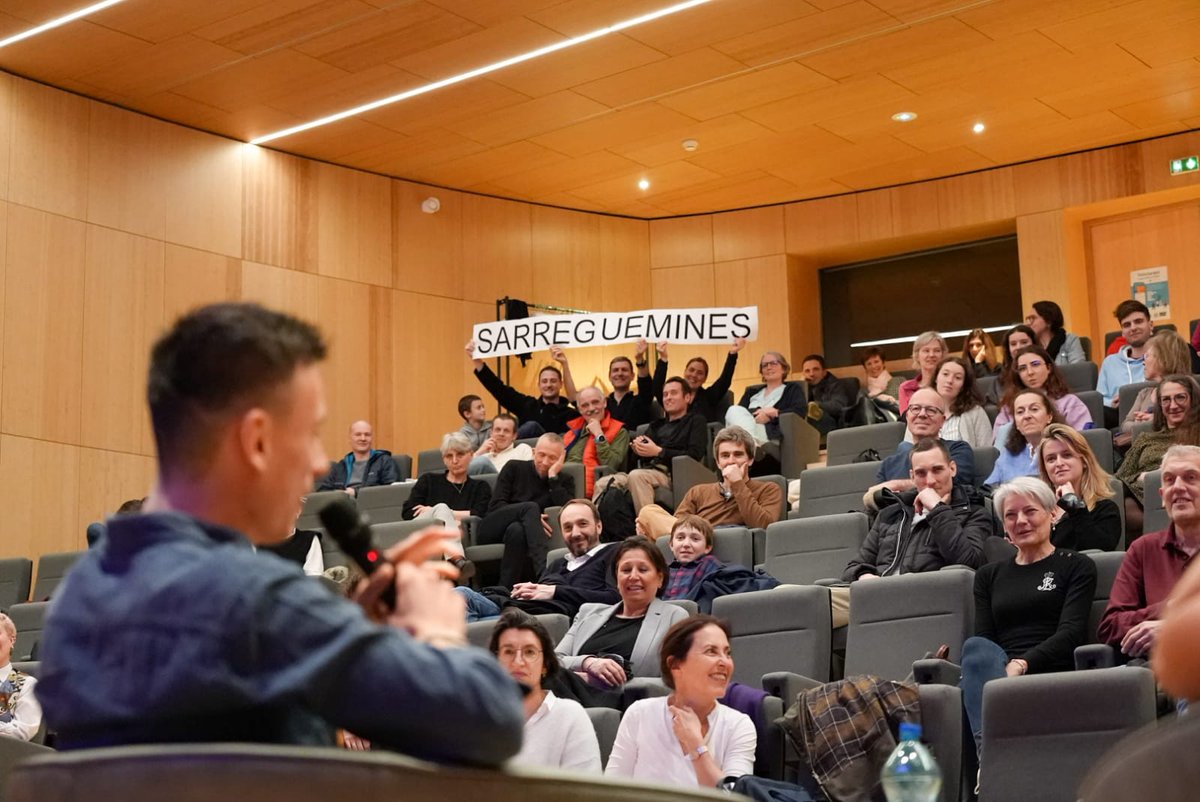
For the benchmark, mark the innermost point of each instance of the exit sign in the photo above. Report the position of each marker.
(1188, 164)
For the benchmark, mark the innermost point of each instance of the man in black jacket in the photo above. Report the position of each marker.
(549, 412)
(515, 517)
(680, 432)
(830, 396)
(925, 529)
(363, 466)
(707, 402)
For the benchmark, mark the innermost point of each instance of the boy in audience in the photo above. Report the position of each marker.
(476, 425)
(500, 448)
(1128, 365)
(697, 575)
(20, 713)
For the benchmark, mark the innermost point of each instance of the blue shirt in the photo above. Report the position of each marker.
(1116, 371)
(1009, 465)
(899, 465)
(173, 629)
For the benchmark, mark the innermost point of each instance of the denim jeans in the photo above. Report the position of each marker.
(479, 607)
(982, 661)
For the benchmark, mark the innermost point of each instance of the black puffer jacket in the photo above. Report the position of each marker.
(951, 534)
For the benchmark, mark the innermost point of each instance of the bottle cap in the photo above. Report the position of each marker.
(910, 731)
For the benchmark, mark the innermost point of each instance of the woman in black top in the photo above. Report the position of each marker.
(451, 496)
(1031, 611)
(1086, 517)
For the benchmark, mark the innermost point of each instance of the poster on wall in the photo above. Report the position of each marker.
(1149, 286)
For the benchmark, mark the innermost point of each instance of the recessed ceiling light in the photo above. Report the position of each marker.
(54, 23)
(489, 68)
(904, 116)
(690, 145)
(979, 128)
(643, 185)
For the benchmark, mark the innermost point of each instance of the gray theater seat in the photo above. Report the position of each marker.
(51, 570)
(384, 504)
(1100, 441)
(784, 629)
(731, 544)
(606, 722)
(310, 514)
(801, 551)
(15, 576)
(843, 445)
(1080, 376)
(1156, 515)
(837, 489)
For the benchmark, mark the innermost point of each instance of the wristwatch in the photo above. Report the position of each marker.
(700, 750)
(600, 439)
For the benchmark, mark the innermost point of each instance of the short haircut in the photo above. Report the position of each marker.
(552, 369)
(1171, 352)
(134, 505)
(552, 438)
(217, 362)
(617, 359)
(653, 553)
(698, 523)
(787, 367)
(699, 359)
(597, 390)
(1051, 313)
(868, 354)
(814, 358)
(682, 382)
(1016, 441)
(735, 434)
(456, 441)
(584, 502)
(678, 642)
(1129, 307)
(464, 405)
(933, 444)
(508, 416)
(1027, 486)
(1094, 485)
(1182, 451)
(8, 626)
(927, 337)
(516, 618)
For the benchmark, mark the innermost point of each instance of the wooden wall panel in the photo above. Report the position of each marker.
(815, 225)
(122, 316)
(107, 479)
(762, 282)
(428, 248)
(3, 261)
(7, 92)
(193, 278)
(1043, 260)
(566, 251)
(127, 186)
(624, 264)
(279, 210)
(496, 249)
(203, 179)
(286, 290)
(40, 516)
(747, 234)
(49, 149)
(43, 325)
(344, 309)
(354, 225)
(681, 241)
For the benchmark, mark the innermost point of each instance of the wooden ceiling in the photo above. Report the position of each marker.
(788, 99)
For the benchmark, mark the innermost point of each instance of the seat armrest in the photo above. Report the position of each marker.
(932, 671)
(831, 582)
(788, 685)
(1095, 655)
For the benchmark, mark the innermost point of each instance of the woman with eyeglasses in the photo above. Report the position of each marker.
(558, 732)
(1046, 320)
(760, 407)
(1176, 420)
(928, 350)
(1034, 411)
(1166, 353)
(1033, 369)
(1085, 516)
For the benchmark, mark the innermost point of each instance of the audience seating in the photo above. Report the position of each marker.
(686, 473)
(28, 618)
(998, 548)
(310, 515)
(989, 388)
(798, 446)
(686, 604)
(985, 461)
(843, 445)
(14, 751)
(1156, 515)
(303, 774)
(731, 544)
(1128, 394)
(837, 489)
(804, 550)
(1100, 441)
(1043, 732)
(606, 722)
(385, 503)
(1093, 654)
(1093, 401)
(15, 576)
(1156, 762)
(430, 460)
(1086, 344)
(51, 569)
(480, 632)
(1080, 376)
(404, 466)
(784, 628)
(1118, 488)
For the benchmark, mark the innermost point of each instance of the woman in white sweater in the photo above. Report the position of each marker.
(966, 419)
(687, 739)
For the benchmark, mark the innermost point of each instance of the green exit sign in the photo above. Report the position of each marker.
(1188, 164)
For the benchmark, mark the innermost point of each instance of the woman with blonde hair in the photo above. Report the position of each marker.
(980, 352)
(928, 350)
(1085, 516)
(1166, 353)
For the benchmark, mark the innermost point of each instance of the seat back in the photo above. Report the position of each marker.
(1094, 403)
(803, 550)
(843, 445)
(1128, 394)
(389, 534)
(985, 461)
(1156, 515)
(51, 570)
(404, 466)
(1100, 441)
(1086, 344)
(575, 471)
(686, 473)
(385, 504)
(996, 549)
(897, 620)
(731, 544)
(479, 633)
(783, 629)
(430, 460)
(1118, 488)
(799, 444)
(310, 514)
(837, 489)
(15, 576)
(1133, 769)
(28, 618)
(989, 388)
(1043, 732)
(606, 722)
(1108, 563)
(1080, 376)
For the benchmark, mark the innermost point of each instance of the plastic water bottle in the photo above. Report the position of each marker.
(911, 774)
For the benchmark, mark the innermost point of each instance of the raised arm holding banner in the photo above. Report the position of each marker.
(686, 326)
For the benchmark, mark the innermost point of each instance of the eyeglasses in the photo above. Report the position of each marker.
(1030, 365)
(918, 409)
(1179, 400)
(770, 363)
(528, 654)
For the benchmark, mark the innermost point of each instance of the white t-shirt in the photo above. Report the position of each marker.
(25, 714)
(560, 735)
(520, 451)
(647, 749)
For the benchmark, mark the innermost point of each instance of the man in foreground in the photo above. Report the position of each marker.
(175, 629)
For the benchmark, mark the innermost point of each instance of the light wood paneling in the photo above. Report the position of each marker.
(7, 92)
(279, 217)
(496, 248)
(49, 149)
(566, 246)
(754, 232)
(760, 282)
(107, 479)
(43, 325)
(354, 225)
(624, 264)
(428, 248)
(815, 225)
(122, 316)
(203, 177)
(286, 290)
(193, 278)
(682, 241)
(40, 516)
(126, 172)
(3, 269)
(1043, 260)
(344, 310)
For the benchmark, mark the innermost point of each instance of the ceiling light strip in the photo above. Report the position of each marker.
(913, 339)
(54, 23)
(475, 73)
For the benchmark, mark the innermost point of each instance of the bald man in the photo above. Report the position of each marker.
(363, 466)
(595, 438)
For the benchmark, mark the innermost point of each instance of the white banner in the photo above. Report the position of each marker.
(684, 326)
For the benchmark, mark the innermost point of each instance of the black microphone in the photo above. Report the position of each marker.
(351, 530)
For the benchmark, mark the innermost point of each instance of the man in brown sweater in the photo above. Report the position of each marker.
(735, 500)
